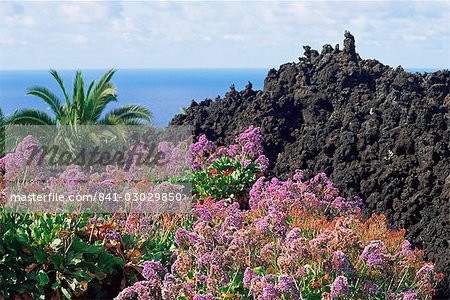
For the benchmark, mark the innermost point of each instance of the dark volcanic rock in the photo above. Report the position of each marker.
(380, 133)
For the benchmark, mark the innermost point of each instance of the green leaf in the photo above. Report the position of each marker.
(82, 274)
(43, 278)
(31, 117)
(22, 237)
(39, 255)
(56, 285)
(93, 249)
(57, 260)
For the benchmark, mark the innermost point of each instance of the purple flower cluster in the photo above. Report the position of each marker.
(339, 287)
(172, 159)
(248, 150)
(270, 286)
(405, 251)
(370, 288)
(113, 235)
(142, 290)
(251, 142)
(154, 287)
(140, 226)
(19, 164)
(317, 195)
(286, 285)
(153, 271)
(72, 176)
(374, 253)
(248, 277)
(426, 273)
(408, 295)
(199, 150)
(185, 238)
(339, 261)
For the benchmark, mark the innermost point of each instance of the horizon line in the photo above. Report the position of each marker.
(132, 68)
(192, 68)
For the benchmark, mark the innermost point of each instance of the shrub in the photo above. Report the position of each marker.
(44, 256)
(228, 172)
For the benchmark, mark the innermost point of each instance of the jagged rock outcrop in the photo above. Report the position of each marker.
(380, 133)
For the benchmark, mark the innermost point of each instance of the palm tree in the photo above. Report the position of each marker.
(83, 108)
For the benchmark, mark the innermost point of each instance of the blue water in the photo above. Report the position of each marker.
(163, 91)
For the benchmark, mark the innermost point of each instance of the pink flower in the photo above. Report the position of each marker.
(247, 280)
(339, 261)
(374, 253)
(286, 284)
(370, 288)
(339, 287)
(153, 270)
(184, 237)
(171, 288)
(426, 272)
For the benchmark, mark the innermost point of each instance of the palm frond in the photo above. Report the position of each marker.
(49, 97)
(102, 84)
(102, 94)
(89, 104)
(132, 112)
(107, 96)
(83, 108)
(133, 122)
(110, 120)
(78, 96)
(31, 117)
(89, 89)
(61, 85)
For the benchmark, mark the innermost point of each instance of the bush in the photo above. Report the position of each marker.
(43, 256)
(228, 172)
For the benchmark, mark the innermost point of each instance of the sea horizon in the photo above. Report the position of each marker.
(163, 90)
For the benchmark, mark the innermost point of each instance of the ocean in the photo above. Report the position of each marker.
(163, 91)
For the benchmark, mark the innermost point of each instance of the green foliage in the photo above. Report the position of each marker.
(225, 178)
(14, 274)
(159, 248)
(43, 255)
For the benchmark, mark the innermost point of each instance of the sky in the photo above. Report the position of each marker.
(207, 34)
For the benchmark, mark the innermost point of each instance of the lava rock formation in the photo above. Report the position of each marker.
(380, 133)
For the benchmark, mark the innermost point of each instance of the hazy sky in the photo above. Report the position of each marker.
(131, 34)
